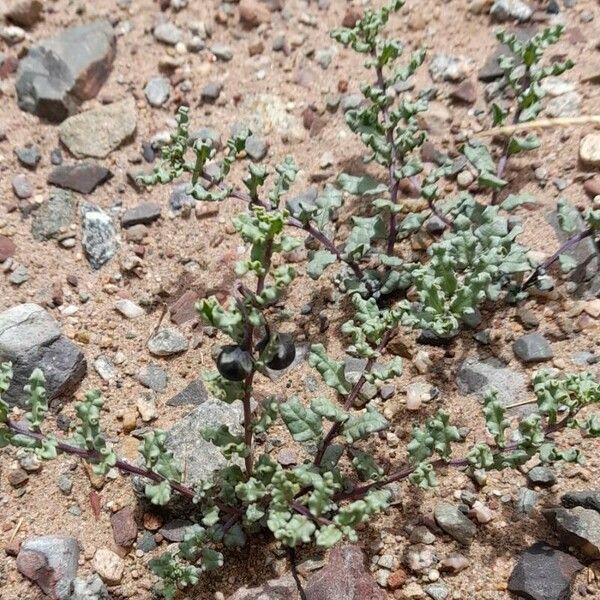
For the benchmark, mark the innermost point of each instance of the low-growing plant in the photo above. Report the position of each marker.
(389, 283)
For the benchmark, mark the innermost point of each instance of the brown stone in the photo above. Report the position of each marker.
(17, 477)
(7, 248)
(591, 187)
(399, 346)
(353, 14)
(397, 579)
(465, 92)
(253, 13)
(124, 527)
(152, 521)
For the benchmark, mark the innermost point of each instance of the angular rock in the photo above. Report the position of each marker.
(505, 10)
(105, 368)
(167, 342)
(153, 377)
(29, 156)
(587, 272)
(96, 133)
(30, 338)
(59, 73)
(175, 530)
(532, 348)
(578, 527)
(542, 476)
(81, 177)
(109, 566)
(587, 499)
(477, 376)
(129, 309)
(51, 562)
(268, 113)
(194, 393)
(189, 447)
(54, 216)
(157, 91)
(144, 214)
(98, 235)
(465, 93)
(124, 527)
(7, 248)
(454, 523)
(256, 147)
(544, 573)
(282, 588)
(344, 578)
(89, 588)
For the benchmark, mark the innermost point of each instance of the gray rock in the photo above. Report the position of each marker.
(477, 376)
(211, 91)
(544, 573)
(89, 588)
(168, 33)
(189, 447)
(222, 52)
(54, 216)
(567, 105)
(153, 377)
(96, 133)
(29, 156)
(98, 235)
(578, 527)
(59, 73)
(179, 198)
(444, 67)
(587, 499)
(146, 543)
(526, 501)
(175, 530)
(167, 342)
(532, 348)
(19, 276)
(144, 214)
(506, 10)
(80, 177)
(256, 147)
(587, 272)
(344, 578)
(207, 134)
(30, 338)
(51, 562)
(454, 523)
(542, 476)
(193, 394)
(105, 368)
(282, 588)
(438, 590)
(491, 69)
(22, 187)
(268, 114)
(351, 101)
(157, 91)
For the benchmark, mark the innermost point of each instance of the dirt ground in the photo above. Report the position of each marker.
(204, 249)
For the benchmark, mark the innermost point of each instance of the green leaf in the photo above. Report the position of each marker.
(495, 419)
(512, 201)
(360, 427)
(228, 443)
(567, 263)
(158, 494)
(365, 465)
(568, 216)
(319, 260)
(302, 423)
(332, 371)
(363, 185)
(328, 410)
(517, 144)
(328, 536)
(211, 559)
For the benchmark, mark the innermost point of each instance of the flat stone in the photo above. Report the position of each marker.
(22, 187)
(54, 216)
(532, 348)
(105, 368)
(109, 566)
(59, 73)
(587, 499)
(175, 530)
(30, 338)
(344, 578)
(578, 527)
(143, 214)
(153, 377)
(157, 91)
(566, 105)
(168, 33)
(51, 562)
(193, 394)
(129, 309)
(124, 527)
(589, 150)
(7, 248)
(81, 177)
(544, 573)
(89, 588)
(222, 52)
(96, 133)
(465, 93)
(282, 588)
(454, 523)
(189, 448)
(98, 235)
(167, 342)
(542, 476)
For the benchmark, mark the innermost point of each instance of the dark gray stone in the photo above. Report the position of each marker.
(193, 394)
(29, 156)
(143, 214)
(98, 235)
(526, 501)
(153, 377)
(585, 254)
(211, 91)
(30, 338)
(542, 476)
(54, 216)
(175, 530)
(544, 573)
(532, 348)
(179, 198)
(587, 499)
(167, 342)
(578, 527)
(81, 177)
(157, 91)
(59, 73)
(146, 543)
(51, 562)
(454, 523)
